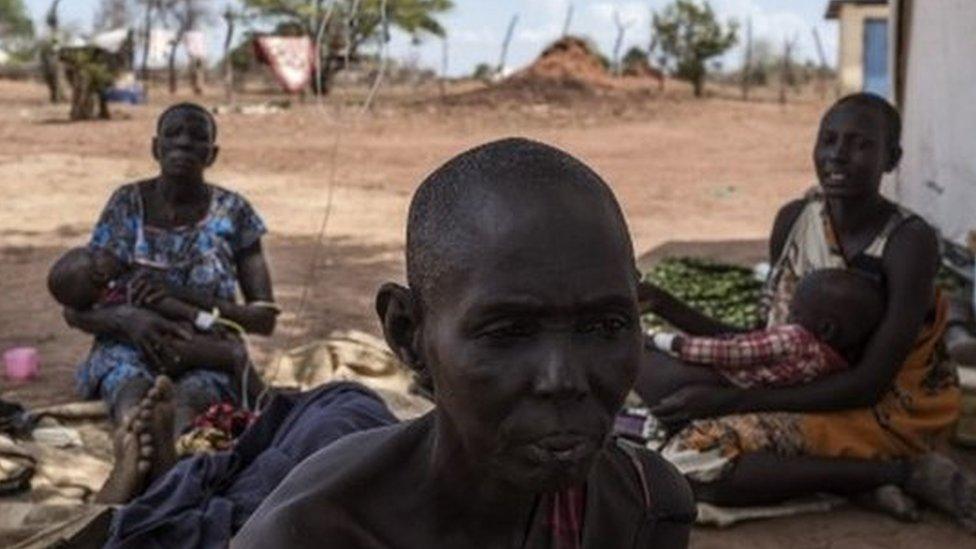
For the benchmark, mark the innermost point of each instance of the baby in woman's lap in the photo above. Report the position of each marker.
(83, 279)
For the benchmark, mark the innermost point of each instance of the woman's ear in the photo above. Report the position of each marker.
(155, 148)
(399, 316)
(214, 151)
(894, 157)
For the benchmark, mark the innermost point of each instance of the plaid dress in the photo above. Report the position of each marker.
(780, 356)
(200, 257)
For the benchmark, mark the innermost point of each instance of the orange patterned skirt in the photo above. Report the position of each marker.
(915, 415)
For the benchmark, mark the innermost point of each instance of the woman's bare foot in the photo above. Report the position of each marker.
(892, 501)
(938, 481)
(134, 452)
(156, 410)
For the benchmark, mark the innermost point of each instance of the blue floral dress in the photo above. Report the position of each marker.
(200, 257)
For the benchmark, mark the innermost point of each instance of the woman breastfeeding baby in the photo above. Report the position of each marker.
(157, 286)
(871, 426)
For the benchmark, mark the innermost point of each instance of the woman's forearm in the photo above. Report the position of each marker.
(685, 318)
(174, 309)
(842, 391)
(255, 319)
(109, 321)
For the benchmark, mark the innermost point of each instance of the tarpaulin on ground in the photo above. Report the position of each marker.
(291, 59)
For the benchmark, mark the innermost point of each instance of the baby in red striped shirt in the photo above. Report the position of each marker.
(833, 314)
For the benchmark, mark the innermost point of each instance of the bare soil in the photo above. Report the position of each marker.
(713, 169)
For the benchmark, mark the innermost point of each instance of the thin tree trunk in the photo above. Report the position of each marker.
(317, 48)
(698, 78)
(621, 33)
(147, 33)
(197, 76)
(786, 70)
(442, 82)
(747, 66)
(229, 16)
(822, 68)
(508, 39)
(54, 67)
(567, 23)
(172, 59)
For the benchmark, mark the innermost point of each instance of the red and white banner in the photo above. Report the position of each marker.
(292, 59)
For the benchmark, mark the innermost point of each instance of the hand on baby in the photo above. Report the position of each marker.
(154, 336)
(146, 293)
(694, 402)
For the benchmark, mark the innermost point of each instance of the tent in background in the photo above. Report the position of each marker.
(934, 78)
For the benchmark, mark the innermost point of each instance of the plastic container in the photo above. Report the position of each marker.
(21, 363)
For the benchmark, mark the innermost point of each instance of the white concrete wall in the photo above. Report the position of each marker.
(937, 176)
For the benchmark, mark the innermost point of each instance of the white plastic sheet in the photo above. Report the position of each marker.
(160, 42)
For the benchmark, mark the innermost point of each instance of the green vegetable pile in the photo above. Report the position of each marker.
(724, 292)
(728, 292)
(949, 281)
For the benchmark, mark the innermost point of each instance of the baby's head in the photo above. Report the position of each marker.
(80, 277)
(840, 307)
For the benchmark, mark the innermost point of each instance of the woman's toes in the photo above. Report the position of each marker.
(145, 414)
(146, 448)
(144, 466)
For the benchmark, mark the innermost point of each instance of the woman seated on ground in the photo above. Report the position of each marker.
(196, 243)
(870, 429)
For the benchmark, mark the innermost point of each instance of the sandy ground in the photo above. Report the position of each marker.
(683, 169)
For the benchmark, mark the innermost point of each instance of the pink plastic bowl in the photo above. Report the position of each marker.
(21, 363)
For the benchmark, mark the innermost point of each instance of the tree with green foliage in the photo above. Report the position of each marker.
(16, 29)
(343, 26)
(688, 34)
(483, 71)
(634, 56)
(90, 72)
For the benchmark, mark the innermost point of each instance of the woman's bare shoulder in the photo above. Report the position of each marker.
(786, 217)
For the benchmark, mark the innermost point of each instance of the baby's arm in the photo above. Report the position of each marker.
(174, 309)
(164, 301)
(744, 351)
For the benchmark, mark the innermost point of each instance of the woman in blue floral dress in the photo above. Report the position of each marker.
(195, 238)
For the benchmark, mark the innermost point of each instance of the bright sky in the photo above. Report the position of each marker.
(476, 28)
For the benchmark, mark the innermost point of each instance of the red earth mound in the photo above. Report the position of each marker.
(567, 70)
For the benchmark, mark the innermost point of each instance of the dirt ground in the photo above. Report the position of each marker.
(712, 169)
